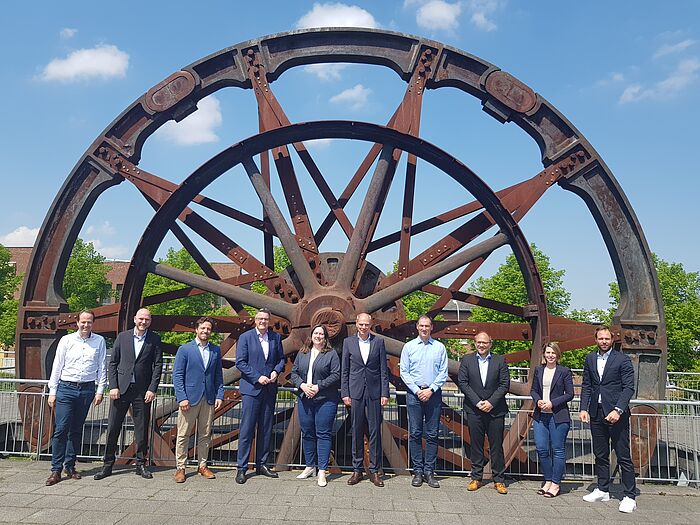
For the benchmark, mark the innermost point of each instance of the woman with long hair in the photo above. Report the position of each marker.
(316, 373)
(552, 389)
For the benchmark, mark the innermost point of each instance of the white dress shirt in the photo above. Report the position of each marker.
(138, 345)
(264, 342)
(310, 373)
(364, 348)
(601, 360)
(483, 367)
(80, 361)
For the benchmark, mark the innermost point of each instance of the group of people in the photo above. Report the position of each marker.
(359, 378)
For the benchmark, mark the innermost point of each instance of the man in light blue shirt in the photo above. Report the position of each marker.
(424, 371)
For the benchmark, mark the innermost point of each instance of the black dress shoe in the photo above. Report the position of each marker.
(105, 472)
(265, 471)
(143, 472)
(54, 478)
(417, 480)
(240, 476)
(431, 481)
(355, 478)
(72, 473)
(374, 478)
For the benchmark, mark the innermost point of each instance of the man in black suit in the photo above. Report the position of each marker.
(364, 386)
(608, 386)
(134, 371)
(483, 379)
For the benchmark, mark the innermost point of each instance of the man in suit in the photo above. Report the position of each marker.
(483, 379)
(260, 359)
(364, 387)
(134, 371)
(608, 386)
(199, 391)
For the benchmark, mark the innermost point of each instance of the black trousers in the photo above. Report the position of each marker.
(366, 413)
(606, 436)
(141, 413)
(480, 426)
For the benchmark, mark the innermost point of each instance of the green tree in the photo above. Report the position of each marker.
(508, 286)
(85, 282)
(680, 292)
(9, 282)
(202, 304)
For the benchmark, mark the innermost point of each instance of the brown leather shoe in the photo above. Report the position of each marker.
(54, 478)
(72, 473)
(205, 472)
(374, 478)
(355, 478)
(500, 488)
(474, 484)
(180, 475)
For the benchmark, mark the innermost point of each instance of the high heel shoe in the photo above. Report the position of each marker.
(307, 473)
(322, 478)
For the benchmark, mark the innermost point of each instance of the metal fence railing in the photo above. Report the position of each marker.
(665, 439)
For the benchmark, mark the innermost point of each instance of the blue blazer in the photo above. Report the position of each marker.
(615, 388)
(191, 380)
(560, 393)
(358, 379)
(252, 364)
(325, 374)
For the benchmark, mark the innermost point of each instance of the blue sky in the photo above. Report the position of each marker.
(626, 74)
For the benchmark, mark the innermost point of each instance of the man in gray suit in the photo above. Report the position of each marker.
(134, 371)
(364, 387)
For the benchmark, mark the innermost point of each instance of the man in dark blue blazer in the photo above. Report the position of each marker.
(607, 388)
(134, 370)
(260, 359)
(199, 391)
(364, 386)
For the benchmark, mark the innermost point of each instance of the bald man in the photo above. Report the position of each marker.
(134, 371)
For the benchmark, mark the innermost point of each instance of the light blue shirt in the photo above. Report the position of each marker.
(424, 364)
(204, 352)
(483, 367)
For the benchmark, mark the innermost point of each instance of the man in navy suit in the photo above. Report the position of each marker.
(260, 359)
(134, 371)
(364, 386)
(607, 388)
(199, 390)
(484, 381)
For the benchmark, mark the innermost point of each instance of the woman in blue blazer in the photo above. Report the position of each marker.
(552, 389)
(316, 373)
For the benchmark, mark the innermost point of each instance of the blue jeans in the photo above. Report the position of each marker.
(551, 435)
(423, 422)
(316, 419)
(72, 406)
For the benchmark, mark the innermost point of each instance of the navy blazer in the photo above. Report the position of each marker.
(560, 393)
(146, 370)
(497, 383)
(358, 379)
(325, 374)
(252, 364)
(615, 388)
(192, 381)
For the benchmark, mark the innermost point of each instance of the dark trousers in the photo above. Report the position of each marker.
(423, 422)
(366, 413)
(316, 420)
(72, 406)
(141, 413)
(606, 436)
(480, 426)
(256, 417)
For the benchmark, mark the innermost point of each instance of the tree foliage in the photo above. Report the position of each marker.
(85, 282)
(198, 305)
(9, 282)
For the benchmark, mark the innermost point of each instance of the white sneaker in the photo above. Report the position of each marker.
(322, 478)
(628, 505)
(307, 473)
(597, 495)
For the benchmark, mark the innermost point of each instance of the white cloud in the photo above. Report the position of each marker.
(670, 49)
(439, 15)
(68, 32)
(116, 251)
(685, 74)
(103, 62)
(337, 15)
(105, 228)
(326, 72)
(613, 78)
(197, 128)
(355, 98)
(21, 237)
(318, 144)
(482, 12)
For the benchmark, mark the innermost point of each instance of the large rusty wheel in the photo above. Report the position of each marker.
(332, 285)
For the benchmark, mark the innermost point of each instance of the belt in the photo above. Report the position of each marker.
(76, 383)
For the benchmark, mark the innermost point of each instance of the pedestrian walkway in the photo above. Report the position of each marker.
(127, 499)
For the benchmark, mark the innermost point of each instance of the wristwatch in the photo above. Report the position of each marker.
(619, 411)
